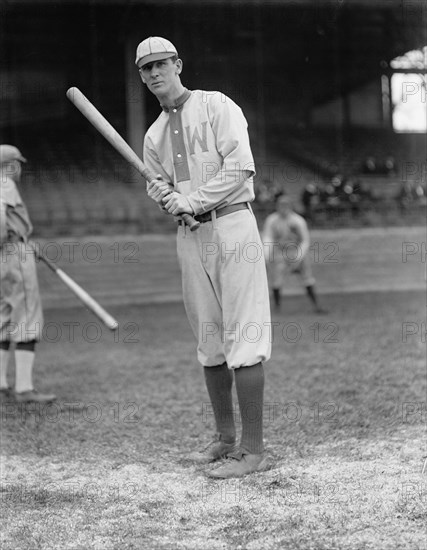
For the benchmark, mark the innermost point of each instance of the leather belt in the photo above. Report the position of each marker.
(14, 238)
(229, 209)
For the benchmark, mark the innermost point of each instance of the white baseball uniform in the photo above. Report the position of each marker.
(21, 317)
(202, 147)
(286, 243)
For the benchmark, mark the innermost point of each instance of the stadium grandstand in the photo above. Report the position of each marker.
(321, 83)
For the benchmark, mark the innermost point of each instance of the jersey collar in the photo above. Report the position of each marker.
(178, 103)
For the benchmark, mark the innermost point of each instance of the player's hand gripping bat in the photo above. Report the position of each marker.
(104, 127)
(83, 296)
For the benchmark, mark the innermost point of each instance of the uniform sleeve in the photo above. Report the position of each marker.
(300, 226)
(267, 230)
(267, 236)
(152, 162)
(232, 142)
(3, 227)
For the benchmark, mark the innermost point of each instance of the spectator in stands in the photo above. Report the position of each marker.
(361, 189)
(21, 316)
(421, 194)
(390, 166)
(327, 195)
(331, 196)
(410, 194)
(286, 241)
(369, 166)
(359, 196)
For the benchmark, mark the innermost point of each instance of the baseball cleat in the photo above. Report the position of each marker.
(216, 450)
(241, 466)
(33, 396)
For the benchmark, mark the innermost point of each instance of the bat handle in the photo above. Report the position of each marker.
(188, 218)
(190, 221)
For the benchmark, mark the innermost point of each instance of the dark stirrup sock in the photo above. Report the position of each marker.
(219, 383)
(312, 294)
(250, 392)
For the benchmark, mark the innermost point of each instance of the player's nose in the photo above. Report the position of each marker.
(154, 71)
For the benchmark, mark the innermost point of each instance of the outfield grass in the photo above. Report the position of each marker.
(129, 269)
(105, 468)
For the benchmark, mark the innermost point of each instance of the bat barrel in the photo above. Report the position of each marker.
(89, 111)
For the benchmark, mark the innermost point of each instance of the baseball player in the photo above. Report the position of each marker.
(21, 317)
(199, 148)
(286, 242)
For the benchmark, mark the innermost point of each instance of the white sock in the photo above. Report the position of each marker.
(24, 361)
(4, 361)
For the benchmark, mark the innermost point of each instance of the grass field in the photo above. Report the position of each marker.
(105, 468)
(129, 269)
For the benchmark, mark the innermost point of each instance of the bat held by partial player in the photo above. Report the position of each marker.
(83, 296)
(115, 139)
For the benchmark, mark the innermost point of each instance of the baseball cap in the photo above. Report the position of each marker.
(282, 197)
(152, 49)
(10, 152)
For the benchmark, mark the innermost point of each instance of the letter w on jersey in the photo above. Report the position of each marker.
(202, 141)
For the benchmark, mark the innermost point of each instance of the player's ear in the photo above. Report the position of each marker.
(179, 65)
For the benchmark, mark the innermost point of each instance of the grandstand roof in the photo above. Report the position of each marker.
(299, 51)
(374, 4)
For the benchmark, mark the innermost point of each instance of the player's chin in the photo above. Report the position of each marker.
(157, 87)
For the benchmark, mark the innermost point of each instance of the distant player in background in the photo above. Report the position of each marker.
(286, 243)
(21, 317)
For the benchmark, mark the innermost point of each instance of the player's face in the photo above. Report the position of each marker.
(14, 170)
(284, 207)
(162, 77)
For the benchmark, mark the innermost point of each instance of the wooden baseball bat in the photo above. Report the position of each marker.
(104, 127)
(83, 296)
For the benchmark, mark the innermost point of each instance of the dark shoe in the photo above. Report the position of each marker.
(276, 299)
(241, 466)
(216, 450)
(6, 392)
(33, 396)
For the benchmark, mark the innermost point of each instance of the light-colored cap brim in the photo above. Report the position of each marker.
(9, 155)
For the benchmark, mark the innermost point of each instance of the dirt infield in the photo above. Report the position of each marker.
(143, 269)
(105, 467)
